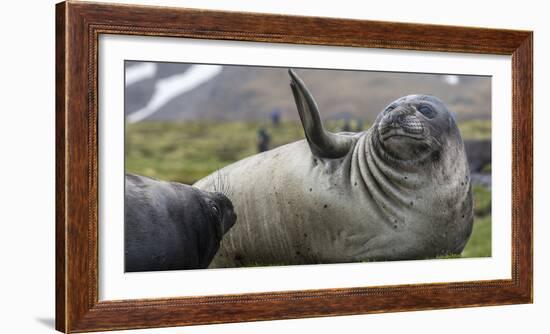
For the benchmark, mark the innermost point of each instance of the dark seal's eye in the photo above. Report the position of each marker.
(426, 111)
(215, 210)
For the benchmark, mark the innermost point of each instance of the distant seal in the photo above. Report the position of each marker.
(170, 226)
(398, 191)
(478, 153)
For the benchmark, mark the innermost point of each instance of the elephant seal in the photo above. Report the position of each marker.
(478, 153)
(170, 226)
(398, 191)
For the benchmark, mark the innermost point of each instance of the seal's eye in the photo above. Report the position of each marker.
(426, 111)
(216, 210)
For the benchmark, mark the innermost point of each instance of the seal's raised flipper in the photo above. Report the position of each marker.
(323, 144)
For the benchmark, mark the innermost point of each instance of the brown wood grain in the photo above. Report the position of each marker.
(60, 180)
(78, 26)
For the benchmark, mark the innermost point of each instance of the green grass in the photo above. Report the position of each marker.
(479, 244)
(475, 129)
(482, 201)
(188, 151)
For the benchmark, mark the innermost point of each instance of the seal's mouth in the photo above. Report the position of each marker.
(407, 126)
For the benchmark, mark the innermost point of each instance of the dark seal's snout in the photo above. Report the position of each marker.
(229, 215)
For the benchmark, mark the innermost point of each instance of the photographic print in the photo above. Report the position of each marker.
(247, 166)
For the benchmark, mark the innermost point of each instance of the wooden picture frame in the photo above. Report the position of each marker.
(78, 27)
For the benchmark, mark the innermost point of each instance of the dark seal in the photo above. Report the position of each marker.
(172, 226)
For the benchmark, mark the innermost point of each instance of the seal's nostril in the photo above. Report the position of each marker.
(396, 120)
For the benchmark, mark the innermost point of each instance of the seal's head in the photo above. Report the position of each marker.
(221, 211)
(220, 216)
(414, 127)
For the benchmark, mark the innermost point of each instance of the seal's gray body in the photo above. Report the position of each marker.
(352, 197)
(171, 226)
